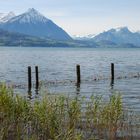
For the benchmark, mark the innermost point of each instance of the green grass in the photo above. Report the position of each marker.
(61, 118)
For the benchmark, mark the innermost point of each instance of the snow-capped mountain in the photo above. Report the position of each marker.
(84, 37)
(1, 15)
(120, 36)
(31, 16)
(7, 17)
(34, 23)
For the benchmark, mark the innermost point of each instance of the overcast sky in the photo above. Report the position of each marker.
(81, 17)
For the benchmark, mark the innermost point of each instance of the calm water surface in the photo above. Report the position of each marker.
(57, 70)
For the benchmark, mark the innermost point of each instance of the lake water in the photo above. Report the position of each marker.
(57, 70)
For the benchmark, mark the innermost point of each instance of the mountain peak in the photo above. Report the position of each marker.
(31, 16)
(120, 30)
(121, 35)
(34, 23)
(124, 29)
(11, 13)
(33, 11)
(7, 17)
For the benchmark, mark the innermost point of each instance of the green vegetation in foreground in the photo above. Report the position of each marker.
(61, 118)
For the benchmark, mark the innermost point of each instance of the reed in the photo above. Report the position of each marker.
(61, 118)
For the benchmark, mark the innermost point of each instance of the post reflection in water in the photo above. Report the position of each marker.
(36, 91)
(78, 88)
(112, 84)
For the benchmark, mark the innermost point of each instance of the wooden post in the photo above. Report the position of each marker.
(78, 74)
(37, 77)
(29, 79)
(112, 71)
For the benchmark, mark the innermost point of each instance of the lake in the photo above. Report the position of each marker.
(57, 70)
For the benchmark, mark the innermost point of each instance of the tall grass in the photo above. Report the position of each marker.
(61, 118)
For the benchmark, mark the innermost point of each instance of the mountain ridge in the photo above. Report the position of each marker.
(34, 23)
(13, 39)
(6, 17)
(118, 36)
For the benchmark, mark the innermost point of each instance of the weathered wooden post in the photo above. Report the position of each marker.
(112, 75)
(112, 71)
(29, 78)
(36, 77)
(78, 74)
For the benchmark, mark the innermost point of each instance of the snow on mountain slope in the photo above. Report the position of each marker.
(31, 16)
(119, 36)
(2, 15)
(34, 23)
(84, 37)
(7, 17)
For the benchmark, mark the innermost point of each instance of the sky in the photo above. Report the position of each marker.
(82, 17)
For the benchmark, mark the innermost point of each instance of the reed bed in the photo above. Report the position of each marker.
(64, 118)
